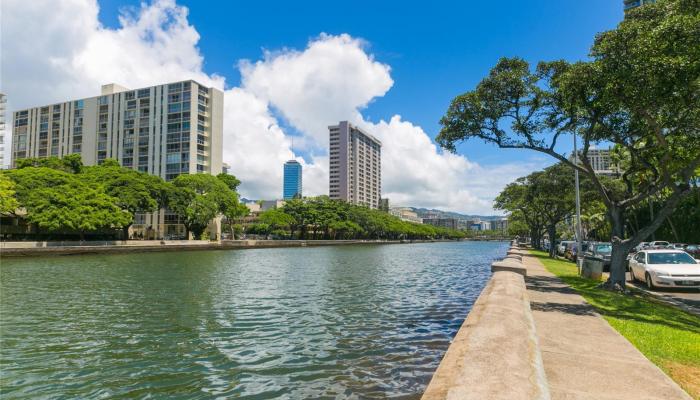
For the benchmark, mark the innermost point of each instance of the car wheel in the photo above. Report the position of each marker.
(650, 283)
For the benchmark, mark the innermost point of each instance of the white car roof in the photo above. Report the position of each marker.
(664, 251)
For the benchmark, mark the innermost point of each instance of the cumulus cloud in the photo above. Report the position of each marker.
(331, 80)
(45, 59)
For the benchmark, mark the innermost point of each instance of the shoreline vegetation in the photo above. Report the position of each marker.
(666, 335)
(62, 199)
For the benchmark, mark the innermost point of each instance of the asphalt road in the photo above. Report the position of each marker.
(690, 298)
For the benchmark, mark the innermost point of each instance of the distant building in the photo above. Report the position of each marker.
(450, 223)
(164, 130)
(630, 4)
(500, 225)
(601, 161)
(355, 166)
(225, 168)
(253, 207)
(463, 224)
(384, 205)
(3, 102)
(271, 204)
(405, 214)
(430, 214)
(292, 185)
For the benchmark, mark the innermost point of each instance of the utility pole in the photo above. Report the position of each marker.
(578, 209)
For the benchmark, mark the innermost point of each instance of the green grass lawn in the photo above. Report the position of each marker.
(668, 336)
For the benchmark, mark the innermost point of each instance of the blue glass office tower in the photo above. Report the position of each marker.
(292, 180)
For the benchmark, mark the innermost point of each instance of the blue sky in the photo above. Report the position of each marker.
(435, 51)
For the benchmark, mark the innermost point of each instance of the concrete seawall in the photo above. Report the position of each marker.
(495, 354)
(21, 249)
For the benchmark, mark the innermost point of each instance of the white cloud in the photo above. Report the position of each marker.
(46, 59)
(327, 82)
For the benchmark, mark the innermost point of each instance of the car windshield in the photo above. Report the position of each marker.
(670, 258)
(603, 248)
(661, 243)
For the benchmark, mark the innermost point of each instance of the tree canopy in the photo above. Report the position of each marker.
(56, 200)
(199, 198)
(62, 195)
(639, 92)
(323, 218)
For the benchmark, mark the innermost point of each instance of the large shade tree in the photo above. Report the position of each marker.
(516, 198)
(58, 201)
(8, 201)
(132, 190)
(199, 198)
(640, 92)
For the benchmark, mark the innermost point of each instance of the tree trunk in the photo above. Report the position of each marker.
(552, 231)
(620, 249)
(673, 228)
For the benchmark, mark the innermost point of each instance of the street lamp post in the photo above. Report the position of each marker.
(578, 209)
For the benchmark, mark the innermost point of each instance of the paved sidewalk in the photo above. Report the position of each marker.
(583, 356)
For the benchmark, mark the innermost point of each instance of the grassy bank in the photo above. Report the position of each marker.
(668, 336)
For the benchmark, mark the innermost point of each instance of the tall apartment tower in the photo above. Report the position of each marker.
(163, 130)
(3, 103)
(355, 166)
(292, 180)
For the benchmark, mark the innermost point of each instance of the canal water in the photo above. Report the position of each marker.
(331, 322)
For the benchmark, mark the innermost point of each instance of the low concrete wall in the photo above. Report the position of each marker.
(102, 243)
(495, 354)
(303, 243)
(509, 265)
(20, 249)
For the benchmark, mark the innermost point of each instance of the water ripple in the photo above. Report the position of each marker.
(337, 322)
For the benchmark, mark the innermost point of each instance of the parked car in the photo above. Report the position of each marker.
(571, 250)
(678, 246)
(693, 250)
(665, 268)
(561, 248)
(641, 246)
(659, 244)
(601, 250)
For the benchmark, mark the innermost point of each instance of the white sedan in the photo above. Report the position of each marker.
(665, 268)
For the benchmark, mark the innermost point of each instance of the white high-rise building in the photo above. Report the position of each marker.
(163, 130)
(355, 166)
(3, 103)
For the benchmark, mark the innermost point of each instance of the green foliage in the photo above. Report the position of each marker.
(71, 163)
(276, 219)
(60, 201)
(8, 201)
(321, 217)
(129, 187)
(681, 226)
(640, 92)
(60, 194)
(231, 181)
(199, 198)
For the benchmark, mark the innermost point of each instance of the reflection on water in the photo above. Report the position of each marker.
(331, 322)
